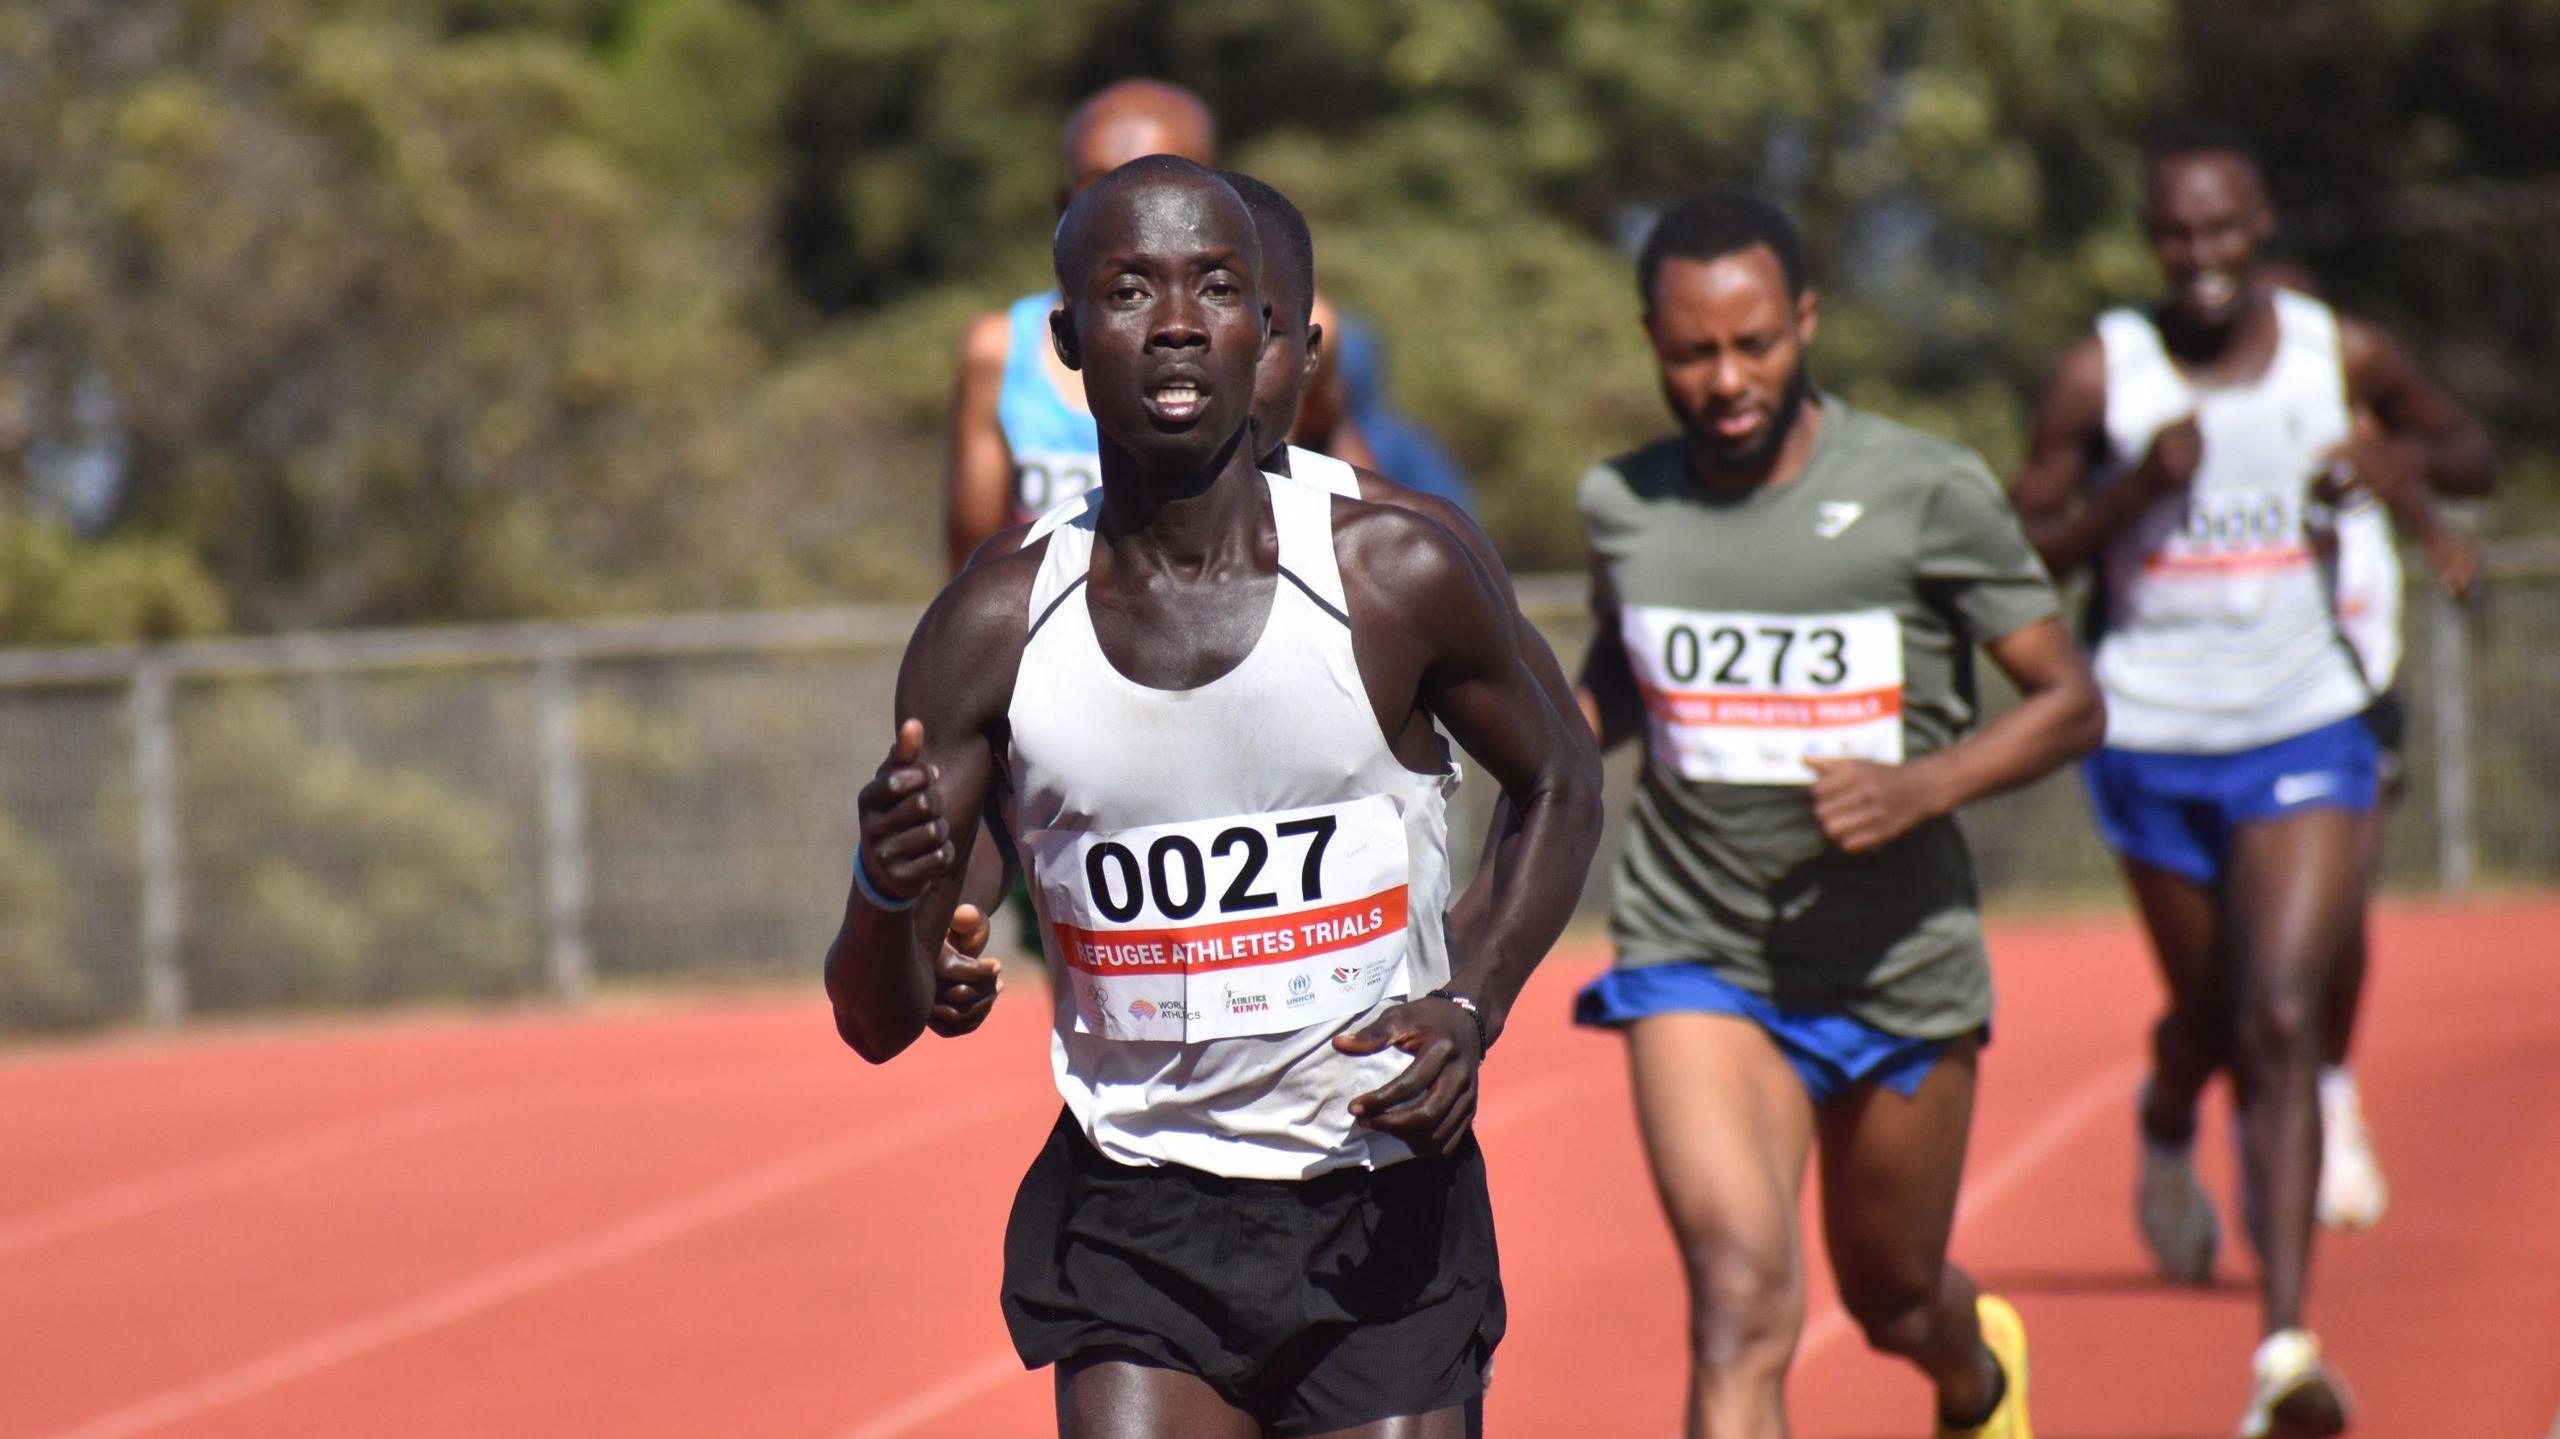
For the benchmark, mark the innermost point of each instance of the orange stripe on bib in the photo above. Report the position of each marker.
(2228, 562)
(1205, 948)
(1767, 711)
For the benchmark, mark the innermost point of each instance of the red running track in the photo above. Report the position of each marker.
(709, 1218)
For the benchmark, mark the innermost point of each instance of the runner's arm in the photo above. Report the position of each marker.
(1430, 608)
(1490, 697)
(918, 814)
(2437, 440)
(1612, 709)
(1468, 914)
(2066, 526)
(2058, 718)
(977, 482)
(1974, 566)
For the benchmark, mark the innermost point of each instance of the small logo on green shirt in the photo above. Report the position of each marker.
(1836, 516)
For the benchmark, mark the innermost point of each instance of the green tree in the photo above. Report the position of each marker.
(460, 308)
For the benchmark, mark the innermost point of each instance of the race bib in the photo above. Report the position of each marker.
(1738, 698)
(1043, 479)
(2241, 532)
(1209, 929)
(2227, 558)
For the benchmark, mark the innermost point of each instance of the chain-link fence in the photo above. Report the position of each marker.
(257, 825)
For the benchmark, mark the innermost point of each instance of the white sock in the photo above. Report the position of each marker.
(2338, 1086)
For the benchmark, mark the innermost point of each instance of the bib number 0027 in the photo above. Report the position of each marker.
(1247, 924)
(1175, 877)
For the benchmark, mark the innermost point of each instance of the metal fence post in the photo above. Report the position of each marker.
(2450, 650)
(155, 786)
(564, 824)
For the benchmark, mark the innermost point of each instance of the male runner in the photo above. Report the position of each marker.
(1021, 438)
(2176, 452)
(1785, 598)
(1288, 374)
(1204, 703)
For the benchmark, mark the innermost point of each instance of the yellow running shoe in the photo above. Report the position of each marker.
(2006, 1335)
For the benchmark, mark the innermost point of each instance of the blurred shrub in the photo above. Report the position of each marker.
(314, 877)
(58, 590)
(712, 849)
(40, 986)
(428, 309)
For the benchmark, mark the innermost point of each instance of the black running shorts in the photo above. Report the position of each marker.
(1312, 1305)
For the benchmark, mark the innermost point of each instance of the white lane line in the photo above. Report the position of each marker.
(2059, 1126)
(934, 1401)
(320, 1145)
(193, 1181)
(1520, 1104)
(491, 1287)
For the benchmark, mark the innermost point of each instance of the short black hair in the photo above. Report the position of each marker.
(1148, 169)
(2190, 135)
(1715, 223)
(1298, 243)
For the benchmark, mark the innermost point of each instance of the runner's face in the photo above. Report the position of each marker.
(1730, 344)
(1167, 325)
(1288, 363)
(2207, 219)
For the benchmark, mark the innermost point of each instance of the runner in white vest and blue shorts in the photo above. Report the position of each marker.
(1206, 704)
(2185, 455)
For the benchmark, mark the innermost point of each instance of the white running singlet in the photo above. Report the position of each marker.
(1324, 472)
(2219, 633)
(1227, 876)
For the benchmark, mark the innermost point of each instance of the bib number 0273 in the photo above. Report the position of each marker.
(1247, 924)
(1740, 698)
(1756, 656)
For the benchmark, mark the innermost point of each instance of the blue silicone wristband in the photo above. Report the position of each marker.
(871, 894)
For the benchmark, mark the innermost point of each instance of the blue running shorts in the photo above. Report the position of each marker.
(1832, 1052)
(2177, 811)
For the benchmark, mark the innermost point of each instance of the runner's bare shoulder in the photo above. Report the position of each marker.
(1377, 489)
(1007, 541)
(972, 635)
(1406, 561)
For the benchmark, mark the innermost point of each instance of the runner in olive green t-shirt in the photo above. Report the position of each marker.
(1786, 598)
